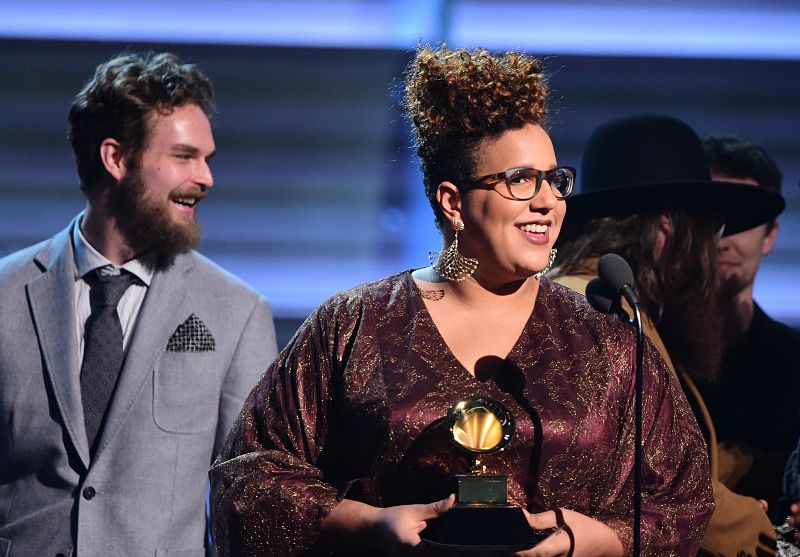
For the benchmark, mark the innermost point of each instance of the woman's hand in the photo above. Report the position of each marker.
(592, 538)
(398, 528)
(389, 531)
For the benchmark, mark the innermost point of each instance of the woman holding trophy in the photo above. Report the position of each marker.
(345, 446)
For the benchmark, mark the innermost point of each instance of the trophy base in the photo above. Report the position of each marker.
(482, 528)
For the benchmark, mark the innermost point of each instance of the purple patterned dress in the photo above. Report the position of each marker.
(352, 408)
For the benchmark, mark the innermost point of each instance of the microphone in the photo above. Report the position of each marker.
(615, 272)
(602, 297)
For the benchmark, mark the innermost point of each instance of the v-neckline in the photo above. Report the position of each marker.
(422, 310)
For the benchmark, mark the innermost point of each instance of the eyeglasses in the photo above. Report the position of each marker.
(525, 183)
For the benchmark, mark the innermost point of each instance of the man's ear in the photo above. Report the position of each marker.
(665, 224)
(112, 158)
(664, 232)
(768, 243)
(449, 198)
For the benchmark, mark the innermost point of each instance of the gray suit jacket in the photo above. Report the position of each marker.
(143, 493)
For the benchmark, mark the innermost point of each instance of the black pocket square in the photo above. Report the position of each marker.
(191, 336)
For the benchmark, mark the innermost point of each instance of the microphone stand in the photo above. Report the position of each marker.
(614, 282)
(636, 321)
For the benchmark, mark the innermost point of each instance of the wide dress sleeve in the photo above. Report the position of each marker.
(677, 497)
(587, 414)
(268, 494)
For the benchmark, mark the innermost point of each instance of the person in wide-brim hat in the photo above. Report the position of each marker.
(647, 195)
(654, 163)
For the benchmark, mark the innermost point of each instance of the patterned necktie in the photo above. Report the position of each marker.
(102, 350)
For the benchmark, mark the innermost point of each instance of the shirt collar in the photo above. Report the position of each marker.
(87, 259)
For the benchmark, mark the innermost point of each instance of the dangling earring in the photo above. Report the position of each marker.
(451, 265)
(550, 260)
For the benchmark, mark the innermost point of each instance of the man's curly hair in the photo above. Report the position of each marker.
(119, 99)
(457, 98)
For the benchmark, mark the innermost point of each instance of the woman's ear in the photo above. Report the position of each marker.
(449, 198)
(112, 158)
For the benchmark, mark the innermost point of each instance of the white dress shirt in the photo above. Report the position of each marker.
(87, 259)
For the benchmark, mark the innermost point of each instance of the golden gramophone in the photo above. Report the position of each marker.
(482, 517)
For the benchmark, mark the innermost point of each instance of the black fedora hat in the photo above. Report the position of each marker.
(653, 163)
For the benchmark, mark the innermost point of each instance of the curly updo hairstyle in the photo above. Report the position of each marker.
(457, 98)
(118, 101)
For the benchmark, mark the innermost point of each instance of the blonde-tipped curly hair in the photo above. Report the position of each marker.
(457, 98)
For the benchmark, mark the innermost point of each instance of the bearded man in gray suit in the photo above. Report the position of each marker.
(115, 399)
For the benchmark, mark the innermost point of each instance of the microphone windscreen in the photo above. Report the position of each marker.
(615, 271)
(600, 296)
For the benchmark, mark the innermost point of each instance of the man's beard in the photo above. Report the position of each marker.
(147, 225)
(691, 327)
(731, 286)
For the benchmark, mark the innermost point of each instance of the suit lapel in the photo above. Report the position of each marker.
(162, 312)
(52, 301)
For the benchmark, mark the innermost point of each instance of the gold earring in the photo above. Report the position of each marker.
(453, 266)
(550, 260)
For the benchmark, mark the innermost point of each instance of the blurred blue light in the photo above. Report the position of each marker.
(695, 31)
(724, 31)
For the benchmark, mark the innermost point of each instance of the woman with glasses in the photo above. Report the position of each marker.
(340, 448)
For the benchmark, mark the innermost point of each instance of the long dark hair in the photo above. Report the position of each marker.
(678, 283)
(686, 264)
